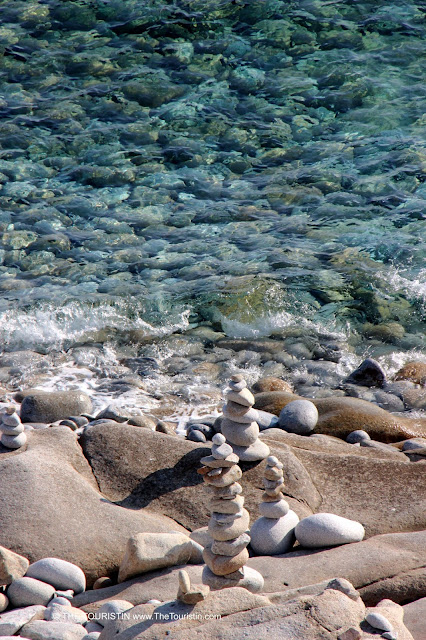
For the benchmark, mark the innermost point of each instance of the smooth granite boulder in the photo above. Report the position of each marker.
(12, 621)
(47, 630)
(52, 486)
(49, 406)
(231, 614)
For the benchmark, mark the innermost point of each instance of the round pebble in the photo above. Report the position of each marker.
(196, 436)
(357, 436)
(274, 509)
(299, 416)
(378, 621)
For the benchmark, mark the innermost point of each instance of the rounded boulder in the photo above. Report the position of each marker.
(328, 530)
(59, 573)
(299, 416)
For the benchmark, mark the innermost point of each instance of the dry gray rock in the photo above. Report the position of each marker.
(327, 530)
(45, 630)
(24, 592)
(59, 573)
(12, 621)
(271, 536)
(299, 416)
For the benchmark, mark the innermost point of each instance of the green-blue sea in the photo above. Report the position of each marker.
(246, 166)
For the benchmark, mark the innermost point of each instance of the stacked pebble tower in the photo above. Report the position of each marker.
(226, 556)
(239, 424)
(12, 431)
(273, 532)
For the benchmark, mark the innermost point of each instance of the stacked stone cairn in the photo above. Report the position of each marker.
(273, 532)
(226, 556)
(239, 424)
(12, 431)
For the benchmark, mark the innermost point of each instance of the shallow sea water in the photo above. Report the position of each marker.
(252, 168)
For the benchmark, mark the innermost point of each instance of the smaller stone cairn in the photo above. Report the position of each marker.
(239, 425)
(226, 556)
(273, 532)
(12, 431)
(190, 594)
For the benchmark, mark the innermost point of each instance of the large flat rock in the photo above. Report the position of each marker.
(368, 565)
(321, 474)
(50, 506)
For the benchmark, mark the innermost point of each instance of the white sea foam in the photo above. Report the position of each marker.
(50, 327)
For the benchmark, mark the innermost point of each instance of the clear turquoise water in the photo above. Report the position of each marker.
(246, 164)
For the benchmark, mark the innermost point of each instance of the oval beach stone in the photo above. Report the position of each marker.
(327, 530)
(59, 573)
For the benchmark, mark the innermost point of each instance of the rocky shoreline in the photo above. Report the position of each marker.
(118, 497)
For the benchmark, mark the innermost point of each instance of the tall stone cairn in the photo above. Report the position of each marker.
(12, 431)
(239, 424)
(273, 532)
(227, 554)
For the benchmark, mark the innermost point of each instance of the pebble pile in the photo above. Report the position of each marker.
(239, 425)
(226, 556)
(273, 532)
(12, 431)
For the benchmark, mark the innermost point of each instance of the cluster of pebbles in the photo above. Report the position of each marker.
(13, 435)
(239, 425)
(226, 556)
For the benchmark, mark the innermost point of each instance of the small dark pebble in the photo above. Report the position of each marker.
(205, 429)
(80, 421)
(196, 436)
(69, 423)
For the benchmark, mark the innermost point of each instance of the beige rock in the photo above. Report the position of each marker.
(243, 397)
(44, 630)
(214, 463)
(12, 566)
(227, 477)
(227, 506)
(51, 473)
(190, 594)
(150, 551)
(229, 530)
(223, 565)
(240, 434)
(230, 547)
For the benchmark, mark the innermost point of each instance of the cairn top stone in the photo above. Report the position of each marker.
(271, 461)
(10, 409)
(218, 439)
(237, 377)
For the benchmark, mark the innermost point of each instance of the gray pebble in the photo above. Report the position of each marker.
(357, 436)
(299, 416)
